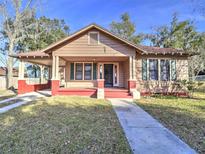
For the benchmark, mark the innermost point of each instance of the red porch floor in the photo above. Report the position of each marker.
(92, 92)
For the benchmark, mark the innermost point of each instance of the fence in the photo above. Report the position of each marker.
(15, 81)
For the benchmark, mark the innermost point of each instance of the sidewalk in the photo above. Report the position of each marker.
(23, 99)
(145, 134)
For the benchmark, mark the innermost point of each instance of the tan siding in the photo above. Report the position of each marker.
(157, 86)
(121, 75)
(108, 47)
(126, 73)
(182, 69)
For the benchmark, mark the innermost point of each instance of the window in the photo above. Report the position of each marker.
(144, 69)
(165, 70)
(87, 71)
(153, 69)
(79, 71)
(83, 71)
(173, 70)
(93, 38)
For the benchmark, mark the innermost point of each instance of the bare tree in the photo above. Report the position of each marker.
(14, 15)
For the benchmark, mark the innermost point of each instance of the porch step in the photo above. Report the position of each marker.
(117, 93)
(78, 92)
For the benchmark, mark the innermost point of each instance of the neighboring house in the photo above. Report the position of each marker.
(3, 71)
(96, 61)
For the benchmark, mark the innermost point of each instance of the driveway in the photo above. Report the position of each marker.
(145, 134)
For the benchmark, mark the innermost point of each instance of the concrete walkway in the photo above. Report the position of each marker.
(145, 134)
(23, 99)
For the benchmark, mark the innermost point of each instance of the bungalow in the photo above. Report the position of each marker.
(96, 62)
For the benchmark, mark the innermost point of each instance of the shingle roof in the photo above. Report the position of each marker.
(142, 49)
(32, 54)
(159, 50)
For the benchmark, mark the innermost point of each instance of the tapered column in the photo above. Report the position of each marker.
(53, 67)
(21, 70)
(57, 68)
(132, 73)
(41, 73)
(55, 83)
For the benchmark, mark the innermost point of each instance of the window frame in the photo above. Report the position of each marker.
(83, 71)
(157, 73)
(166, 61)
(98, 36)
(91, 73)
(159, 68)
(75, 71)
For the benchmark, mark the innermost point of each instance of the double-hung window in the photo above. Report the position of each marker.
(165, 70)
(87, 71)
(159, 69)
(153, 69)
(83, 71)
(79, 71)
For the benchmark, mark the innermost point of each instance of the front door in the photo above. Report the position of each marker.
(108, 75)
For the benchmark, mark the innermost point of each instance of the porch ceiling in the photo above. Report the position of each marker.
(95, 59)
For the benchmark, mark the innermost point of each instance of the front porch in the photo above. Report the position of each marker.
(101, 77)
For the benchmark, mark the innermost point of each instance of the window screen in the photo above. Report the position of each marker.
(93, 38)
(144, 69)
(153, 69)
(87, 71)
(79, 71)
(165, 70)
(173, 70)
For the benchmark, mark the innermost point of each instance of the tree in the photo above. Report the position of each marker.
(47, 32)
(181, 35)
(15, 15)
(126, 29)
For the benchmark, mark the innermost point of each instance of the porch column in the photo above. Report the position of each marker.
(41, 73)
(132, 74)
(55, 83)
(132, 78)
(100, 82)
(21, 79)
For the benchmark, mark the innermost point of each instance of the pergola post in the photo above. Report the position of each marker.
(55, 83)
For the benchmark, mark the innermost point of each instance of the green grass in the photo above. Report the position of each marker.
(5, 94)
(184, 116)
(9, 102)
(62, 125)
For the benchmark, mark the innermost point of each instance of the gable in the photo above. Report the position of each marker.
(108, 46)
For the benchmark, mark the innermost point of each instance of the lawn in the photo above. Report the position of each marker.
(4, 94)
(62, 125)
(184, 116)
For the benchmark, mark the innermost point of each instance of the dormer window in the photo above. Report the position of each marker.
(93, 38)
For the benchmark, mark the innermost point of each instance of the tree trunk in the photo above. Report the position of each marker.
(9, 83)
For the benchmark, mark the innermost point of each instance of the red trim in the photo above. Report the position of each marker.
(100, 83)
(55, 84)
(131, 84)
(23, 87)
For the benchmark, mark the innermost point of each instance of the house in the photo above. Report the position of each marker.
(97, 62)
(3, 71)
